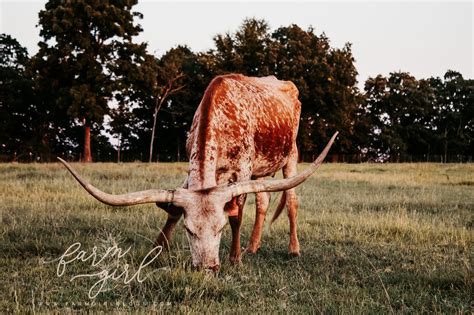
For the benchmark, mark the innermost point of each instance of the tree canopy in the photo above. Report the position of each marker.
(419, 118)
(18, 131)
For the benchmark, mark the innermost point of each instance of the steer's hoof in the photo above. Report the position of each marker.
(252, 248)
(294, 254)
(235, 260)
(294, 251)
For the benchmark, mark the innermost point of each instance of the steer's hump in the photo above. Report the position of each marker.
(272, 83)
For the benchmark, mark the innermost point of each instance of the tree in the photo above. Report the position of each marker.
(18, 117)
(454, 119)
(86, 50)
(122, 120)
(413, 118)
(166, 97)
(167, 82)
(326, 80)
(246, 51)
(401, 111)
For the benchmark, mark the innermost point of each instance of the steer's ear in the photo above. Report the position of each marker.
(231, 208)
(170, 208)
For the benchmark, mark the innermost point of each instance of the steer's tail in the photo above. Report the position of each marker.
(280, 207)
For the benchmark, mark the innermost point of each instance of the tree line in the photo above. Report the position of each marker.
(90, 78)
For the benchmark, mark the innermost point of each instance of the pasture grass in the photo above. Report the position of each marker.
(375, 238)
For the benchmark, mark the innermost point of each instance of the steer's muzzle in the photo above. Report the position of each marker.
(214, 269)
(208, 269)
(211, 268)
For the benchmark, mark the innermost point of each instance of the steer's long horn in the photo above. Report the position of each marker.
(135, 198)
(253, 186)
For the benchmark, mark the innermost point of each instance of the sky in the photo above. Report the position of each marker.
(425, 38)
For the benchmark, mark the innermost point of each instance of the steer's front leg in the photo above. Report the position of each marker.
(235, 210)
(234, 256)
(174, 214)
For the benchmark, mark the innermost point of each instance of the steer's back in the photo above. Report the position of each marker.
(242, 125)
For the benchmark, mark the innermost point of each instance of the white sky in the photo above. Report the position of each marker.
(424, 38)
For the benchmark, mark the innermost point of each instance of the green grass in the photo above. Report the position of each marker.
(374, 239)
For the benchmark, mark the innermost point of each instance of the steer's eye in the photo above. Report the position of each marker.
(220, 230)
(189, 231)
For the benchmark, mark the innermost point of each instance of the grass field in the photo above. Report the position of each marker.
(374, 239)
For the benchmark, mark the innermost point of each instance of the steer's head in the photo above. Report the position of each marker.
(204, 220)
(204, 216)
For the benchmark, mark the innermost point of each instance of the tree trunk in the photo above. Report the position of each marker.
(87, 143)
(445, 145)
(118, 151)
(178, 153)
(150, 158)
(158, 102)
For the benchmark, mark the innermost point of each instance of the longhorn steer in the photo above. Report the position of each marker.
(244, 128)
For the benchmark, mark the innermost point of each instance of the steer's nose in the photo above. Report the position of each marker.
(214, 268)
(211, 269)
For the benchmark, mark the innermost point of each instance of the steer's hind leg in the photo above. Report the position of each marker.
(290, 170)
(235, 208)
(262, 202)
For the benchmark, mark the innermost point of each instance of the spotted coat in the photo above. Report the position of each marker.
(244, 127)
